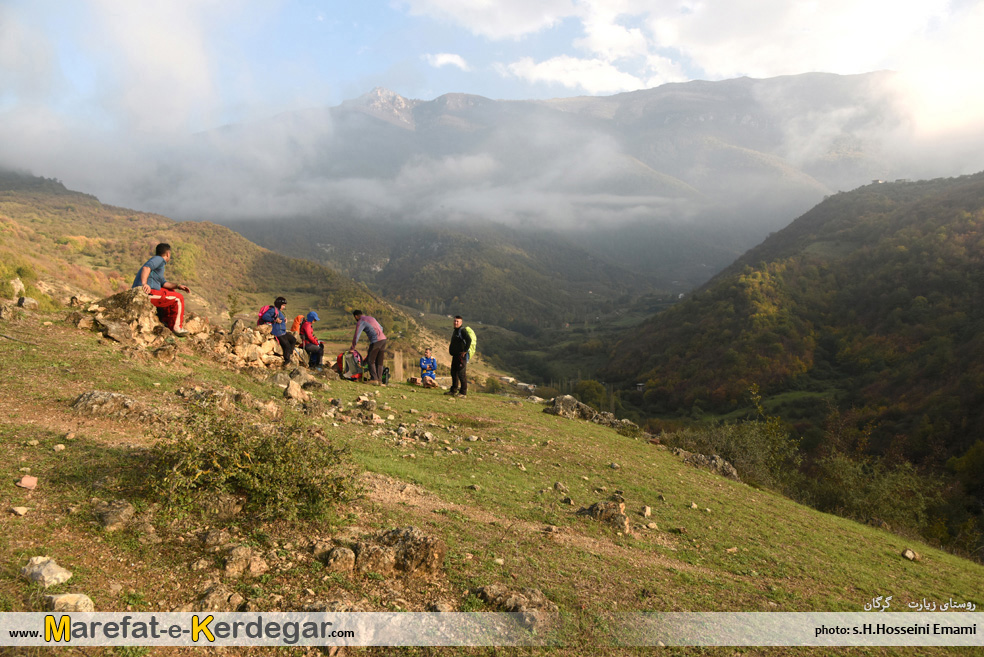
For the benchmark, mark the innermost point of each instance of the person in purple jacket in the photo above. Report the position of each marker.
(377, 344)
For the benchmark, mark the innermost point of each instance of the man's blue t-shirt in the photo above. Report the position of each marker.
(427, 367)
(272, 314)
(156, 278)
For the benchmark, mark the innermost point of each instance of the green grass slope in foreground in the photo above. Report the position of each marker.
(485, 485)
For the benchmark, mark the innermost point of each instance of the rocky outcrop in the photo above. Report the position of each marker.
(712, 463)
(569, 407)
(407, 551)
(101, 403)
(535, 609)
(130, 319)
(610, 513)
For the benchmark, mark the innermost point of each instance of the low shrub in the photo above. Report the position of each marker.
(762, 450)
(867, 489)
(281, 470)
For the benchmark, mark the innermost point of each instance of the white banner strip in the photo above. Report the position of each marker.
(801, 629)
(269, 629)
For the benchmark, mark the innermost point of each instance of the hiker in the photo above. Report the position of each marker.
(170, 304)
(428, 368)
(461, 349)
(314, 347)
(275, 317)
(377, 344)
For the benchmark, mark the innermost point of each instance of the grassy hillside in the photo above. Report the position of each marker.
(74, 243)
(491, 484)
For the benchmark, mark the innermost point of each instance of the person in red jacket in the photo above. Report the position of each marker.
(312, 345)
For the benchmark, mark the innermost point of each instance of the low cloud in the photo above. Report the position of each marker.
(440, 60)
(595, 76)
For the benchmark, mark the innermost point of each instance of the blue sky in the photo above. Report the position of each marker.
(90, 88)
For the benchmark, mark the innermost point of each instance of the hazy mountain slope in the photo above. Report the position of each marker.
(681, 163)
(871, 300)
(489, 273)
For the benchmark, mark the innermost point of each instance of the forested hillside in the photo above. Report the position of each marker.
(861, 319)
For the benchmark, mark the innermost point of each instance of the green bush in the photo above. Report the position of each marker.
(866, 489)
(282, 470)
(762, 450)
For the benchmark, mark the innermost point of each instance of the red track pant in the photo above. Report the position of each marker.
(172, 306)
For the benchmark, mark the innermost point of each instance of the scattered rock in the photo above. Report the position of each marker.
(45, 571)
(911, 554)
(371, 558)
(215, 598)
(59, 448)
(535, 608)
(201, 564)
(19, 510)
(67, 602)
(241, 560)
(215, 538)
(340, 560)
(569, 407)
(28, 303)
(28, 482)
(612, 513)
(646, 511)
(294, 391)
(166, 353)
(114, 515)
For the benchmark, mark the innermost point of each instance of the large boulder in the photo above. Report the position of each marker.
(127, 316)
(28, 303)
(610, 513)
(567, 406)
(416, 553)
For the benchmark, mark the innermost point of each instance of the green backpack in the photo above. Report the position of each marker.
(474, 342)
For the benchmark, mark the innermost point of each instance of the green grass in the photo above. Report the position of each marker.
(753, 551)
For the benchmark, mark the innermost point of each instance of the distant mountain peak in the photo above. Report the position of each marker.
(386, 105)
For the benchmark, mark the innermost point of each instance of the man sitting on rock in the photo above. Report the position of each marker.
(275, 317)
(170, 304)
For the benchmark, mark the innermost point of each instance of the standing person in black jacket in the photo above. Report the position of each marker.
(461, 343)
